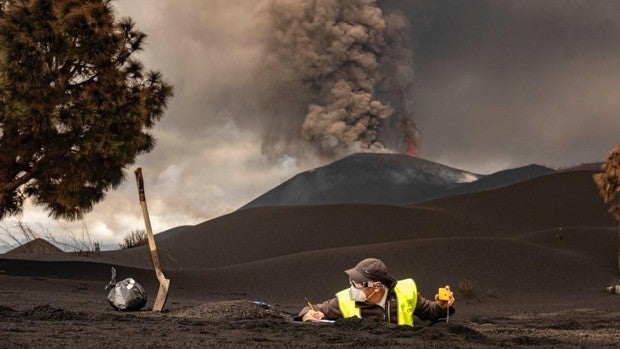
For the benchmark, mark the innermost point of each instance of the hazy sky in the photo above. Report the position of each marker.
(498, 84)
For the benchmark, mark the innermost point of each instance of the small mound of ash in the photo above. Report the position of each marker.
(45, 312)
(233, 311)
(6, 312)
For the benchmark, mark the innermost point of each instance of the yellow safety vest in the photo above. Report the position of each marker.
(406, 297)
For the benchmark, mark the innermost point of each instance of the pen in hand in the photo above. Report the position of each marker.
(310, 304)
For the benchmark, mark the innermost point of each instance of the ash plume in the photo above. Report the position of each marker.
(338, 73)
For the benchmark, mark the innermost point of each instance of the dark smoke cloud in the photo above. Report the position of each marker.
(334, 72)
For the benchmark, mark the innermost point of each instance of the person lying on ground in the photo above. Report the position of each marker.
(374, 293)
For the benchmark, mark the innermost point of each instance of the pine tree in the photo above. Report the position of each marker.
(608, 183)
(76, 106)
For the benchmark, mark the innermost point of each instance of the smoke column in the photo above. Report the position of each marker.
(344, 67)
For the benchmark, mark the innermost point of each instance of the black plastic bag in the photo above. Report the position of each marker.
(125, 295)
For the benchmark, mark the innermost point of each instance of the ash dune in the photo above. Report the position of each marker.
(546, 203)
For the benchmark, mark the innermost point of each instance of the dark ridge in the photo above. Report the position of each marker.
(501, 179)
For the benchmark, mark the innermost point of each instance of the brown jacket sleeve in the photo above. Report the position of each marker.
(330, 308)
(430, 310)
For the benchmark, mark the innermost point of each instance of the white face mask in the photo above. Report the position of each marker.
(357, 294)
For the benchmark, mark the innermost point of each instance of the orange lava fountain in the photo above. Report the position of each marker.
(410, 138)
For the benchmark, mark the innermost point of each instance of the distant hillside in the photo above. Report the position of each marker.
(36, 246)
(365, 178)
(501, 179)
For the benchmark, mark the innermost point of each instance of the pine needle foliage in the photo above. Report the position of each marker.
(608, 183)
(76, 106)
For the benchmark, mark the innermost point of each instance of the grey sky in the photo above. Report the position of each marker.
(497, 84)
(507, 83)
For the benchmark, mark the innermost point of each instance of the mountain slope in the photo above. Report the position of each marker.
(365, 178)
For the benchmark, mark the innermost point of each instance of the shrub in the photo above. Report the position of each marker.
(467, 288)
(134, 238)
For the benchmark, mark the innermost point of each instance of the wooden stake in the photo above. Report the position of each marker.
(164, 284)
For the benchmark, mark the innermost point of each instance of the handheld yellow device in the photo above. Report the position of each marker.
(443, 294)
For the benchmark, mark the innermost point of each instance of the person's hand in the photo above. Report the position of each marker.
(313, 315)
(445, 304)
